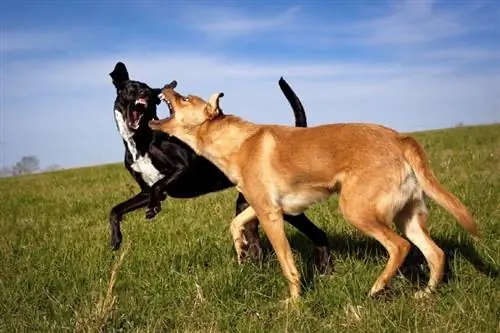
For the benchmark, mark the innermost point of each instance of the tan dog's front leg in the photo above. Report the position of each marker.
(236, 228)
(273, 224)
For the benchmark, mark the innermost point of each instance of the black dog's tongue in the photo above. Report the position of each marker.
(134, 117)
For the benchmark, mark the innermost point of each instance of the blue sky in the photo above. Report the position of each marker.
(411, 65)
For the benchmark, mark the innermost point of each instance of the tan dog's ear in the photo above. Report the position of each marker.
(213, 109)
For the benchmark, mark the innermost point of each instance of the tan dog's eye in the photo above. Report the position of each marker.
(185, 99)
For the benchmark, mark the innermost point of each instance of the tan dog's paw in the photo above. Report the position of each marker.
(422, 294)
(292, 301)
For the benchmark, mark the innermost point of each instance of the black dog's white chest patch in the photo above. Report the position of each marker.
(142, 163)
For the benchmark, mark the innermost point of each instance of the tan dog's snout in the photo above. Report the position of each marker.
(172, 85)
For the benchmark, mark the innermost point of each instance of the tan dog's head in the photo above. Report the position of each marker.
(186, 112)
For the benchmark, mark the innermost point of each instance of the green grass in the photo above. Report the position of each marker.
(180, 272)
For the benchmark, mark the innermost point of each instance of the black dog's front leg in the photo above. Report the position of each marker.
(317, 236)
(158, 193)
(115, 217)
(145, 189)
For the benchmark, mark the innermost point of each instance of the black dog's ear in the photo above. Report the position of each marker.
(119, 74)
(155, 92)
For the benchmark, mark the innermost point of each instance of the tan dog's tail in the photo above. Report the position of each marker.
(416, 157)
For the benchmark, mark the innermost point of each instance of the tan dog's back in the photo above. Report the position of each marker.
(322, 159)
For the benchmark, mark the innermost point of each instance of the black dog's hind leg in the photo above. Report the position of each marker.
(253, 248)
(158, 193)
(317, 236)
(138, 201)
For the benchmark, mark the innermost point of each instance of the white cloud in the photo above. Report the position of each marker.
(377, 92)
(462, 54)
(87, 73)
(242, 24)
(401, 24)
(223, 22)
(412, 22)
(23, 41)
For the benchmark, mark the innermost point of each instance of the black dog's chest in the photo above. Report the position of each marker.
(141, 163)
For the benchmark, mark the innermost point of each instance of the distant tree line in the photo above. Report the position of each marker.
(26, 165)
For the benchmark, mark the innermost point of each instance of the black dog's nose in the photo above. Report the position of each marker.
(143, 93)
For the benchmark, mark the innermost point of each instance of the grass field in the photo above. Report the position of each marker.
(178, 273)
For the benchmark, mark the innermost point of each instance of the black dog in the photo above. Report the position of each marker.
(163, 165)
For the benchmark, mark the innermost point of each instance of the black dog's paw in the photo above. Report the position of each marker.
(254, 252)
(251, 252)
(151, 212)
(322, 260)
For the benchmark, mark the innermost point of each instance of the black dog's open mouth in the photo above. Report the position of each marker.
(137, 112)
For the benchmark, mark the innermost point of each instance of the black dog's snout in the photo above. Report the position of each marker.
(143, 93)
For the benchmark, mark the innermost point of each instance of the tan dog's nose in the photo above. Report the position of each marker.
(172, 85)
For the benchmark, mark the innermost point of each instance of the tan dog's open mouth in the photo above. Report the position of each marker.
(162, 97)
(171, 108)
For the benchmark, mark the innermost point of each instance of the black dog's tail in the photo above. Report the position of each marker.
(298, 109)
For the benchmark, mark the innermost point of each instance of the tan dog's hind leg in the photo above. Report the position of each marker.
(237, 227)
(273, 225)
(396, 246)
(412, 221)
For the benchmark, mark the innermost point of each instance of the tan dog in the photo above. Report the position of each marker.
(381, 176)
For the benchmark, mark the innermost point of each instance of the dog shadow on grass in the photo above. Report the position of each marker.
(414, 269)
